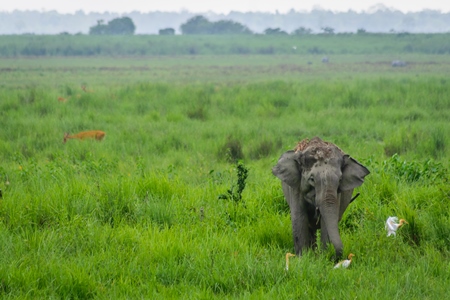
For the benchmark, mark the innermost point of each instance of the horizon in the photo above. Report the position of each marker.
(177, 6)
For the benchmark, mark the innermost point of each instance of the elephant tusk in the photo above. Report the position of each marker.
(318, 215)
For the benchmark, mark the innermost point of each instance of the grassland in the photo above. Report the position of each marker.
(147, 45)
(139, 214)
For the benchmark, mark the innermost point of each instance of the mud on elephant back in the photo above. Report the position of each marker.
(318, 180)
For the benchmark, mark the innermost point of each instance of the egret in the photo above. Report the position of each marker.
(345, 263)
(287, 259)
(392, 225)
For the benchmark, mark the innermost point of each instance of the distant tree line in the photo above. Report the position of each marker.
(195, 25)
(201, 25)
(378, 19)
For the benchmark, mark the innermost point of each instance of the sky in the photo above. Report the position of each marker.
(218, 6)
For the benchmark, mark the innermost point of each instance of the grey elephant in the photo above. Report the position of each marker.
(318, 180)
(398, 63)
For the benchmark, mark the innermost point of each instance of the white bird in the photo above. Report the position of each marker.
(294, 47)
(345, 263)
(392, 225)
(287, 259)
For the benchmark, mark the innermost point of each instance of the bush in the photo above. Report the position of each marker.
(166, 31)
(231, 150)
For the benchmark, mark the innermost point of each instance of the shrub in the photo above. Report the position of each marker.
(235, 192)
(231, 150)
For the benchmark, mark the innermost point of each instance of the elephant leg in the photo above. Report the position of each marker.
(299, 218)
(300, 231)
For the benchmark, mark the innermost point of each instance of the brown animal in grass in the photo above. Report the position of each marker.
(92, 134)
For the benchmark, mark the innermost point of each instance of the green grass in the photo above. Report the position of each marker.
(139, 214)
(267, 45)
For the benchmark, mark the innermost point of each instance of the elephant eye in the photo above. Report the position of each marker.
(311, 180)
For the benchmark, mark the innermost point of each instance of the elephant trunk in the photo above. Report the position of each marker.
(328, 204)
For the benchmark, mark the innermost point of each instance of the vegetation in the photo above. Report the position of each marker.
(276, 31)
(378, 19)
(394, 45)
(119, 26)
(178, 200)
(201, 25)
(302, 31)
(166, 31)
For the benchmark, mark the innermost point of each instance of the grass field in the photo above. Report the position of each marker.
(299, 45)
(141, 215)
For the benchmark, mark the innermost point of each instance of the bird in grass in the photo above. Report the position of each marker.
(345, 263)
(287, 259)
(392, 225)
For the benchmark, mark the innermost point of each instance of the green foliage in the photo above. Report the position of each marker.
(428, 171)
(264, 148)
(433, 143)
(118, 26)
(231, 151)
(235, 192)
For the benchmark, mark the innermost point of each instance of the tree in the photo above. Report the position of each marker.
(121, 26)
(166, 31)
(302, 31)
(274, 31)
(201, 25)
(118, 26)
(229, 27)
(328, 30)
(99, 29)
(361, 31)
(196, 25)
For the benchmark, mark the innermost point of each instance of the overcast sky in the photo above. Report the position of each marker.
(218, 6)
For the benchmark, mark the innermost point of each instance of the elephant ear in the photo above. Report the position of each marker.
(288, 168)
(353, 174)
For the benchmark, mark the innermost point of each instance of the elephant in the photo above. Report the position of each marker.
(398, 63)
(318, 180)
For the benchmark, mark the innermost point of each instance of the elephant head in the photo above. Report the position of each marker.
(318, 180)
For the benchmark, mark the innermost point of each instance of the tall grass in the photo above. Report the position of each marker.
(140, 214)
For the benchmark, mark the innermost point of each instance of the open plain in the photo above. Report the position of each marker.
(144, 213)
